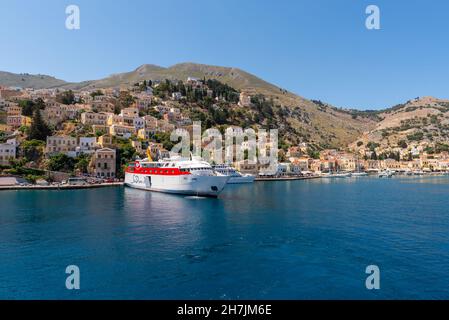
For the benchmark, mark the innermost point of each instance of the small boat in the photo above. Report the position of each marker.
(235, 177)
(336, 175)
(386, 174)
(359, 174)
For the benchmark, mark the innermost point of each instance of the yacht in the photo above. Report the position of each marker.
(336, 175)
(386, 174)
(236, 177)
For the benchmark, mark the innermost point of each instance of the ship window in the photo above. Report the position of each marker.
(173, 171)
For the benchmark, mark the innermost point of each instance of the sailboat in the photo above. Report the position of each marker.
(359, 173)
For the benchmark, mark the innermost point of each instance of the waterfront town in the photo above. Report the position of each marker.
(49, 135)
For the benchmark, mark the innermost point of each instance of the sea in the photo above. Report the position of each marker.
(308, 239)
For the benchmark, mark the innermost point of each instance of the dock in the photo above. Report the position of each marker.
(286, 178)
(62, 187)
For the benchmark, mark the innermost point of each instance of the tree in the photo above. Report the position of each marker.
(96, 93)
(82, 163)
(125, 100)
(39, 129)
(313, 153)
(67, 97)
(402, 144)
(32, 150)
(61, 162)
(27, 107)
(125, 154)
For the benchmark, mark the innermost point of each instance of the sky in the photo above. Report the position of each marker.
(319, 49)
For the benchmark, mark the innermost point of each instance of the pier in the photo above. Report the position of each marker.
(286, 178)
(61, 186)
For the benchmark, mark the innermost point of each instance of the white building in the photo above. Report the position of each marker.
(87, 145)
(7, 152)
(139, 123)
(130, 112)
(121, 131)
(92, 118)
(61, 144)
(176, 95)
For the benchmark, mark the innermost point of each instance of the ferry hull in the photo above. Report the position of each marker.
(205, 186)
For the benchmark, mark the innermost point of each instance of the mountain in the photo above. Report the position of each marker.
(26, 80)
(234, 77)
(303, 120)
(311, 121)
(422, 120)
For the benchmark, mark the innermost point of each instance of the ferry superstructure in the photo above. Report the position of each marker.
(177, 176)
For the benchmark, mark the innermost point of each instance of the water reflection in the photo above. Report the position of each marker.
(295, 239)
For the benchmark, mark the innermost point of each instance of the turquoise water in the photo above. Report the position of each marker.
(273, 240)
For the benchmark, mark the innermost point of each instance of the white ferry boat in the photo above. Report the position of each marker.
(178, 176)
(235, 176)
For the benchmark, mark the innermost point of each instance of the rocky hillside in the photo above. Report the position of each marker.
(422, 120)
(29, 80)
(308, 121)
(302, 120)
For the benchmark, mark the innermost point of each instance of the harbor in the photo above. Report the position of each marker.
(283, 240)
(62, 186)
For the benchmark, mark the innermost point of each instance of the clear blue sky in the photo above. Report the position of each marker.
(318, 49)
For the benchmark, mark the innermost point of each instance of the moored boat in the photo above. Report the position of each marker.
(386, 174)
(359, 174)
(236, 177)
(336, 175)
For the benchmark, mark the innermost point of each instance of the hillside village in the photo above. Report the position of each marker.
(54, 133)
(97, 132)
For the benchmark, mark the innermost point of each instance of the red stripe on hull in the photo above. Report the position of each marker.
(157, 171)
